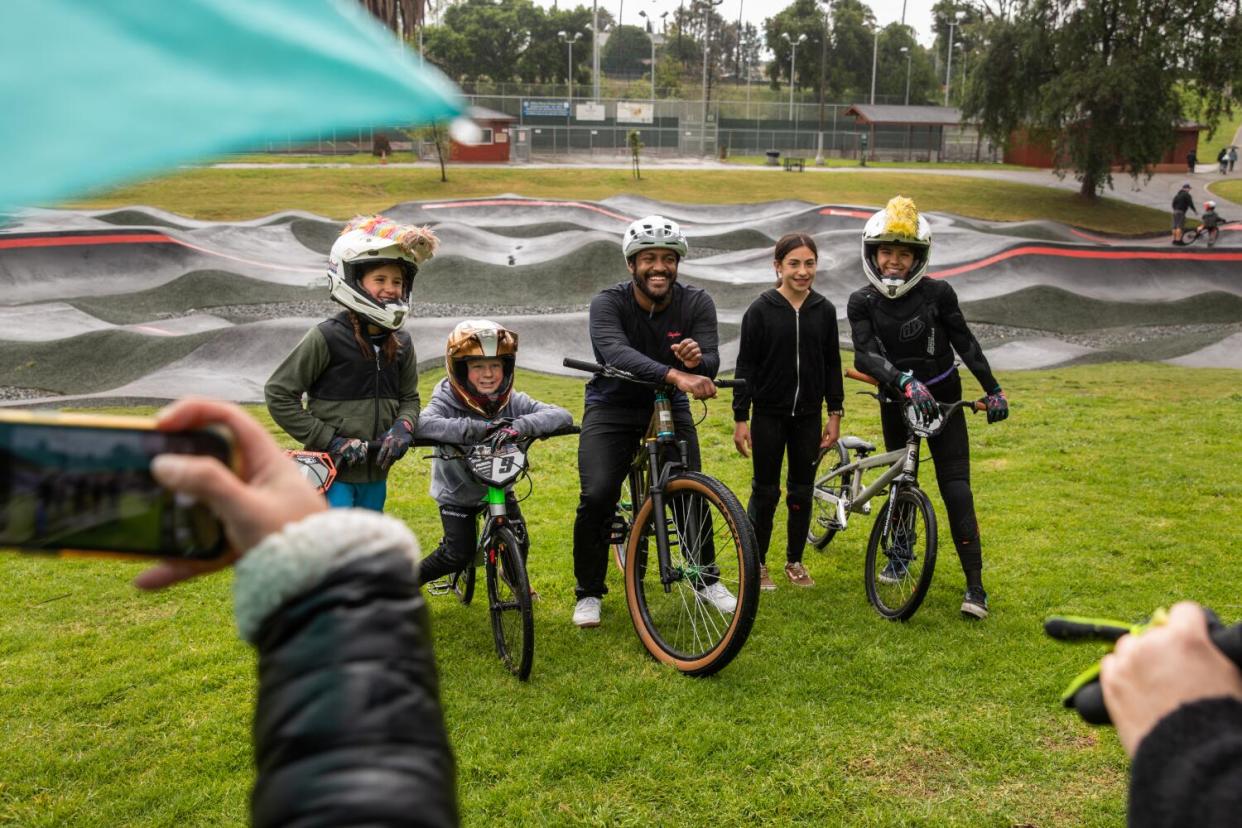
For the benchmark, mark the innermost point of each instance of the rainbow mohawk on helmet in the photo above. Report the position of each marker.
(419, 242)
(901, 218)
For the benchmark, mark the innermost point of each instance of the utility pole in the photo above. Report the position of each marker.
(948, 72)
(823, 81)
(595, 49)
(709, 7)
(875, 54)
(737, 62)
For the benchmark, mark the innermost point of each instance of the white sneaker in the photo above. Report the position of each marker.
(718, 596)
(586, 612)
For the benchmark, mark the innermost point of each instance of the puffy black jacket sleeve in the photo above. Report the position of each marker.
(348, 728)
(1188, 769)
(963, 340)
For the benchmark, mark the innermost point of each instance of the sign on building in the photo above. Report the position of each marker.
(590, 112)
(635, 112)
(545, 109)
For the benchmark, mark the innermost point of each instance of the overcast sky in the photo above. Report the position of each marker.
(918, 12)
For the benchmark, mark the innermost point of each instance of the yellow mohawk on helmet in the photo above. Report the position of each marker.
(902, 218)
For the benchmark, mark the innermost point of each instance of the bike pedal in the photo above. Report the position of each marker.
(618, 529)
(440, 587)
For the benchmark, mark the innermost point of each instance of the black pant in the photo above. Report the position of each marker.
(457, 547)
(772, 436)
(951, 451)
(606, 446)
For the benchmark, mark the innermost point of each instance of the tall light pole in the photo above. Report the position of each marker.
(651, 35)
(948, 71)
(793, 54)
(569, 75)
(709, 7)
(905, 50)
(595, 50)
(823, 82)
(875, 54)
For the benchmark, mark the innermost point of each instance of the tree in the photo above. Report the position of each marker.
(802, 17)
(627, 52)
(480, 38)
(401, 16)
(1105, 81)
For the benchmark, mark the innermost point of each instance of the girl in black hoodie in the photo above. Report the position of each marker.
(791, 361)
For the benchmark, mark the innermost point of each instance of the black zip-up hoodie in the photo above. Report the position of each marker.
(790, 359)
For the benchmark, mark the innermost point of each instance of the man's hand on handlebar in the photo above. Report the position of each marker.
(701, 388)
(688, 353)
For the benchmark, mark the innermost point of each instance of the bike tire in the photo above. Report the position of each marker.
(680, 626)
(508, 593)
(913, 516)
(823, 514)
(1190, 236)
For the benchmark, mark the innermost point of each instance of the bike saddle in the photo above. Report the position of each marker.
(857, 444)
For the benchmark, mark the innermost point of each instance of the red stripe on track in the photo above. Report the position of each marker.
(71, 241)
(1114, 255)
(510, 202)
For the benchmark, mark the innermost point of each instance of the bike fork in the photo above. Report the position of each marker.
(656, 493)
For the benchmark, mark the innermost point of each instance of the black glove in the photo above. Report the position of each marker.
(346, 451)
(502, 433)
(998, 406)
(916, 394)
(395, 443)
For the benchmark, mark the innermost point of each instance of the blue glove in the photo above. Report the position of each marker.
(395, 443)
(346, 451)
(916, 394)
(998, 406)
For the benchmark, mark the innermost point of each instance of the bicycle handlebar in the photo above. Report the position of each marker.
(1084, 694)
(948, 408)
(427, 442)
(617, 373)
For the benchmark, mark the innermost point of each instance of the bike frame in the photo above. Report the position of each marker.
(903, 466)
(661, 432)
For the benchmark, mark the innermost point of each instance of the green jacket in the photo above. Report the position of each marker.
(348, 394)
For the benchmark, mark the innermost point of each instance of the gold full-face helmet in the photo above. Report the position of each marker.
(480, 339)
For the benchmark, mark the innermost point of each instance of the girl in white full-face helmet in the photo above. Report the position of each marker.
(358, 369)
(906, 328)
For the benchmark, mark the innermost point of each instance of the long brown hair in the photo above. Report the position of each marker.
(389, 348)
(789, 243)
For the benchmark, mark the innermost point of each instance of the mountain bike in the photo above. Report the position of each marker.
(1192, 235)
(703, 544)
(901, 551)
(502, 546)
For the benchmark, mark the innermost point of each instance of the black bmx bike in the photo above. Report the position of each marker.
(686, 547)
(501, 549)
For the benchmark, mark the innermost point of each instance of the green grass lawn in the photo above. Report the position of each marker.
(1224, 135)
(1230, 189)
(1104, 493)
(227, 194)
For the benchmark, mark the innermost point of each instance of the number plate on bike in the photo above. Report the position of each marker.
(500, 468)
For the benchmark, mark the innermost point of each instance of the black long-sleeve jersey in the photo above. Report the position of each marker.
(917, 332)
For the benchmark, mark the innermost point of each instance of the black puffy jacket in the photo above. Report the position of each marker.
(348, 728)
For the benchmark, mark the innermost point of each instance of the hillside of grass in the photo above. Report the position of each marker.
(1105, 493)
(340, 193)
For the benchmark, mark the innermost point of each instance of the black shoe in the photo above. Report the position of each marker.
(975, 604)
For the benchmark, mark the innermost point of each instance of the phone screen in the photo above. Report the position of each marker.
(90, 488)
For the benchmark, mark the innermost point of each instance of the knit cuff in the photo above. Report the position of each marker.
(294, 560)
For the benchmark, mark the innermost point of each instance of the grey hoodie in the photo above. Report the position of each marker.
(448, 420)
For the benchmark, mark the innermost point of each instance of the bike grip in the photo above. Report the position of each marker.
(850, 373)
(1078, 628)
(581, 365)
(562, 432)
(979, 405)
(1089, 702)
(733, 383)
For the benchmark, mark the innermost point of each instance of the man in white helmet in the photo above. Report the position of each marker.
(358, 368)
(658, 330)
(905, 330)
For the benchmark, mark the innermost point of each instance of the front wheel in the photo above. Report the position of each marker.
(508, 593)
(1190, 236)
(824, 525)
(699, 620)
(901, 554)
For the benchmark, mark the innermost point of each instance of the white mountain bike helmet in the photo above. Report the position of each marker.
(1209, 205)
(653, 232)
(480, 339)
(369, 241)
(898, 223)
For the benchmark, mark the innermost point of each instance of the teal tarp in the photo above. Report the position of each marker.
(96, 92)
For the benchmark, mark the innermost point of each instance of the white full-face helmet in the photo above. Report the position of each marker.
(653, 232)
(898, 223)
(369, 241)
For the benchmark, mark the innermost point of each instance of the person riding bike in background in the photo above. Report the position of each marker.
(905, 330)
(661, 332)
(358, 368)
(476, 401)
(1212, 222)
(790, 357)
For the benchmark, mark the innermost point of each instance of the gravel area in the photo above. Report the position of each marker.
(10, 392)
(1103, 338)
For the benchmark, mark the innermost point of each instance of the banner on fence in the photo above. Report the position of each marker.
(590, 112)
(635, 112)
(545, 109)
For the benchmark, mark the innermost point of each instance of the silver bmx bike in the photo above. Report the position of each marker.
(901, 552)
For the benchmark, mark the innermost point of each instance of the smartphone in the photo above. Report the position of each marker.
(82, 483)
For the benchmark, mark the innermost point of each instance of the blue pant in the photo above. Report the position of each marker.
(360, 495)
